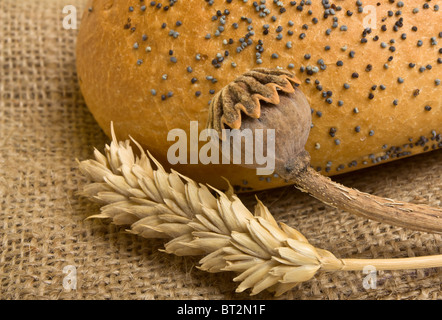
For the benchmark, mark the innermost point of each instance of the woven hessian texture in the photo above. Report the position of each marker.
(45, 126)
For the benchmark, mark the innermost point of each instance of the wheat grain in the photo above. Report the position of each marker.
(155, 204)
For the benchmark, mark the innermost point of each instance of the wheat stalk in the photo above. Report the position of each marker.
(263, 253)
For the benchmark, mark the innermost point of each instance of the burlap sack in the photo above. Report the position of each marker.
(45, 126)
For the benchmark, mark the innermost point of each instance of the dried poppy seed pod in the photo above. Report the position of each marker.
(249, 102)
(270, 99)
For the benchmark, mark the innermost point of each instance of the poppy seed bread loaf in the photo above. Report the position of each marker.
(371, 71)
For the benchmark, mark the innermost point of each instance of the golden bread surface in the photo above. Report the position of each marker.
(374, 90)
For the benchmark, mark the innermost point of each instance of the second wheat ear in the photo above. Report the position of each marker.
(271, 99)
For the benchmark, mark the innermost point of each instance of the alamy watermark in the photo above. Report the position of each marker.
(70, 20)
(371, 278)
(70, 280)
(244, 147)
(370, 19)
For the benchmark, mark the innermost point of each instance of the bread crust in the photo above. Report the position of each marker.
(384, 115)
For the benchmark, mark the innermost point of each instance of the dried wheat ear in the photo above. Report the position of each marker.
(137, 192)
